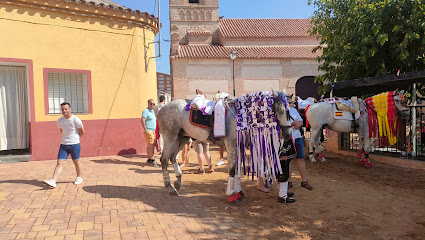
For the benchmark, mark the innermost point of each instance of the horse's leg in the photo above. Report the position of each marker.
(232, 171)
(319, 147)
(361, 148)
(366, 148)
(234, 189)
(313, 136)
(170, 150)
(177, 171)
(364, 144)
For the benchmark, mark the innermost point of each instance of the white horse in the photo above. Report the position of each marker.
(176, 129)
(321, 115)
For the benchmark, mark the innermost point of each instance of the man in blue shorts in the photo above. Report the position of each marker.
(72, 129)
(297, 123)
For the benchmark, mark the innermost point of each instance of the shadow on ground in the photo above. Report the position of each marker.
(36, 183)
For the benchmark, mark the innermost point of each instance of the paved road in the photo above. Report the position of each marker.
(120, 198)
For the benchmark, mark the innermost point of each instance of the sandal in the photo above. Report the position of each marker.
(199, 171)
(211, 169)
(290, 185)
(306, 185)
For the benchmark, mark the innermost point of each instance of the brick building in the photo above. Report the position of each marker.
(164, 86)
(271, 53)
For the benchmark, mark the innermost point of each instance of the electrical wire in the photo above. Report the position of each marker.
(154, 8)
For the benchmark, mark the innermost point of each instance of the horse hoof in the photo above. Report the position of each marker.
(313, 160)
(241, 196)
(368, 165)
(361, 162)
(177, 185)
(323, 159)
(233, 198)
(173, 192)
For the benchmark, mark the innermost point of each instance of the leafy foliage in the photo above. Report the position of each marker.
(368, 38)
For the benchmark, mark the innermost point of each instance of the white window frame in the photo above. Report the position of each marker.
(72, 86)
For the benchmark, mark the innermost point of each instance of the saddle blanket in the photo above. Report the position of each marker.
(198, 119)
(344, 115)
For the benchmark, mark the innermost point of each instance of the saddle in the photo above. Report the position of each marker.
(349, 106)
(209, 114)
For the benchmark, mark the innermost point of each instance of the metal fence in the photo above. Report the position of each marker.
(410, 139)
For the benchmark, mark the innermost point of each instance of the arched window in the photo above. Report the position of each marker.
(181, 15)
(202, 15)
(188, 15)
(306, 87)
(195, 15)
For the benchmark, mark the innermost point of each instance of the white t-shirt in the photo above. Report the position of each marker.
(296, 116)
(70, 128)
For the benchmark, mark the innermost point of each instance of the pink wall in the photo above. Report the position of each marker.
(102, 138)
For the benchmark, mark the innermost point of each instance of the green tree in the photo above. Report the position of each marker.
(367, 38)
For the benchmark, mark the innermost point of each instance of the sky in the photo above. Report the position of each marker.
(227, 9)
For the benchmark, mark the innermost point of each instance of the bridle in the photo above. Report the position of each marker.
(285, 101)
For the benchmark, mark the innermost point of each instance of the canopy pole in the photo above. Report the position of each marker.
(413, 121)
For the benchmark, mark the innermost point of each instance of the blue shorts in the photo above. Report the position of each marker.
(299, 145)
(65, 150)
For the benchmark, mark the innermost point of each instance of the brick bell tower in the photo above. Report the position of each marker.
(193, 22)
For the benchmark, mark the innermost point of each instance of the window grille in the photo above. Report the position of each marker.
(68, 87)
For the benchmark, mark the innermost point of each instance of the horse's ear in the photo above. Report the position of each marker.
(402, 92)
(274, 93)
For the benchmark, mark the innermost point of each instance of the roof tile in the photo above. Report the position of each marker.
(111, 4)
(264, 28)
(253, 52)
(191, 32)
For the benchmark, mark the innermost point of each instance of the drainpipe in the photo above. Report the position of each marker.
(159, 33)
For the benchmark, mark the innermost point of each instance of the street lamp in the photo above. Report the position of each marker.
(233, 55)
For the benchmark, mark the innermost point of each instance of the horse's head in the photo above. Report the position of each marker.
(401, 103)
(281, 108)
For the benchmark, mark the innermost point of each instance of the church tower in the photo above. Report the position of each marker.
(193, 22)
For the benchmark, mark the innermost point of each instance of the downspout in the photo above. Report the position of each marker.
(159, 33)
(159, 38)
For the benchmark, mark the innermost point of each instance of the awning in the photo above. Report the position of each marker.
(375, 85)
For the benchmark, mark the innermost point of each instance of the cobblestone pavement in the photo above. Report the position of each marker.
(120, 198)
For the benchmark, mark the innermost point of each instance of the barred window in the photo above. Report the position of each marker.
(193, 1)
(68, 87)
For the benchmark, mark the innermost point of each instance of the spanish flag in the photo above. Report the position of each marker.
(338, 114)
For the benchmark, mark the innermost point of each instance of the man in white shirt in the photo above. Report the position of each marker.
(297, 123)
(72, 129)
